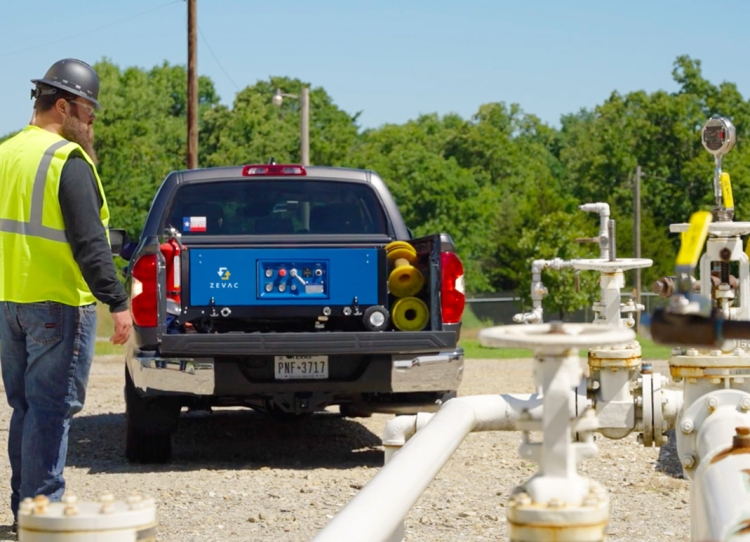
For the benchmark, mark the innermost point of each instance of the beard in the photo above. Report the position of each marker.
(73, 129)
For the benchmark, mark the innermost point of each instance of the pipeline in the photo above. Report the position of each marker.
(377, 511)
(719, 499)
(604, 240)
(538, 290)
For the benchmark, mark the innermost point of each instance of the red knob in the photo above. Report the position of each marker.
(282, 272)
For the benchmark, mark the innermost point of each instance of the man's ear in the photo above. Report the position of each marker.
(60, 105)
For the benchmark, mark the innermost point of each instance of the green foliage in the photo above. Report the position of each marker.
(254, 129)
(554, 236)
(660, 131)
(141, 134)
(502, 183)
(433, 192)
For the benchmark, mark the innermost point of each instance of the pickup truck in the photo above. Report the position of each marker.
(272, 287)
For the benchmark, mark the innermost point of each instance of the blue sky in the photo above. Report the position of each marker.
(392, 59)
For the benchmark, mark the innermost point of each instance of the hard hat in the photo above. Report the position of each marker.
(71, 75)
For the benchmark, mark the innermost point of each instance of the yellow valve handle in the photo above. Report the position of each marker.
(726, 190)
(694, 239)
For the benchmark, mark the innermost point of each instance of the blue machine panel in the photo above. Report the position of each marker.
(283, 276)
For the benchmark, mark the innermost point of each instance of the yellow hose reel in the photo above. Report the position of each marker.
(400, 249)
(405, 280)
(410, 314)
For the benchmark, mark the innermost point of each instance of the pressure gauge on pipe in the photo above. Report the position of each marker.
(718, 135)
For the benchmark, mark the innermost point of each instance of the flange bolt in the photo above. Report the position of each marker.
(687, 427)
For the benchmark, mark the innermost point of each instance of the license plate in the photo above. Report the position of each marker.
(301, 367)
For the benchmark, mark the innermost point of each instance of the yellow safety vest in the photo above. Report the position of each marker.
(36, 261)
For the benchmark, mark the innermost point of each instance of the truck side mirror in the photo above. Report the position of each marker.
(127, 251)
(117, 239)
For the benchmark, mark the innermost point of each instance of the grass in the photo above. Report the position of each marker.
(104, 330)
(472, 348)
(469, 331)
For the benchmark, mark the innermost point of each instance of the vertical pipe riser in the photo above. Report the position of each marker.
(720, 500)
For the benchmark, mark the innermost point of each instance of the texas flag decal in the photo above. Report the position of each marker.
(194, 223)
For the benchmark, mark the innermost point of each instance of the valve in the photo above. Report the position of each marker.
(718, 136)
(689, 320)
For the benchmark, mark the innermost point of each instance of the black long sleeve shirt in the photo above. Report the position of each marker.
(81, 203)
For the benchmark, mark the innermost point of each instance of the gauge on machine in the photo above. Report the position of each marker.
(718, 135)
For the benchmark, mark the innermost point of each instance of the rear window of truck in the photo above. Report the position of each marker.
(276, 207)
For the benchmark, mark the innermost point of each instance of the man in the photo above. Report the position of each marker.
(55, 262)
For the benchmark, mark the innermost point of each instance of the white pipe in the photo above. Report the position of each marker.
(603, 210)
(538, 290)
(672, 406)
(719, 499)
(379, 508)
(400, 429)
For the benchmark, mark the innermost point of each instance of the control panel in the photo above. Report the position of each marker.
(300, 279)
(286, 277)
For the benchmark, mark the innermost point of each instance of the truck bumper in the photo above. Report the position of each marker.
(155, 374)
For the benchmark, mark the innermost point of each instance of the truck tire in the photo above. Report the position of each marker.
(150, 422)
(349, 410)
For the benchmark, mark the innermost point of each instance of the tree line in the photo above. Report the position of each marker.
(504, 184)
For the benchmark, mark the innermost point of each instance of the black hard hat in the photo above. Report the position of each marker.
(71, 75)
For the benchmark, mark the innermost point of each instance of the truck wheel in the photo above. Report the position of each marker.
(348, 410)
(150, 422)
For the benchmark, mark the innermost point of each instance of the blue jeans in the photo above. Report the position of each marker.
(46, 350)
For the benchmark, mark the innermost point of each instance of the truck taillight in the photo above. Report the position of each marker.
(143, 292)
(453, 298)
(276, 170)
(171, 251)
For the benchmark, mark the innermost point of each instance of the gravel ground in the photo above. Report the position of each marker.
(238, 476)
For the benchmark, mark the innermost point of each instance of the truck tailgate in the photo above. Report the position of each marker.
(322, 343)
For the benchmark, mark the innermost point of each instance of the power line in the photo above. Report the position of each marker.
(217, 60)
(113, 23)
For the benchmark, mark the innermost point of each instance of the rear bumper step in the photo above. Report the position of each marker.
(153, 374)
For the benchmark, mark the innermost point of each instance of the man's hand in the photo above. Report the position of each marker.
(123, 324)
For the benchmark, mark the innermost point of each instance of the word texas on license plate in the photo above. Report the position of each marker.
(300, 367)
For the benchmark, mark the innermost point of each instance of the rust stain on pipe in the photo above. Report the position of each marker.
(740, 445)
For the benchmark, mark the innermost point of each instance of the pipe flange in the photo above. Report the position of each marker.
(656, 410)
(701, 410)
(648, 411)
(587, 520)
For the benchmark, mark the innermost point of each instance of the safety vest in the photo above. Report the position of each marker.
(36, 260)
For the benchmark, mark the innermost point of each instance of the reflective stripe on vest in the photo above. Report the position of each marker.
(34, 225)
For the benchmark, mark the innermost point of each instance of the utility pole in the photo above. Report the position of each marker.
(192, 84)
(637, 237)
(304, 102)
